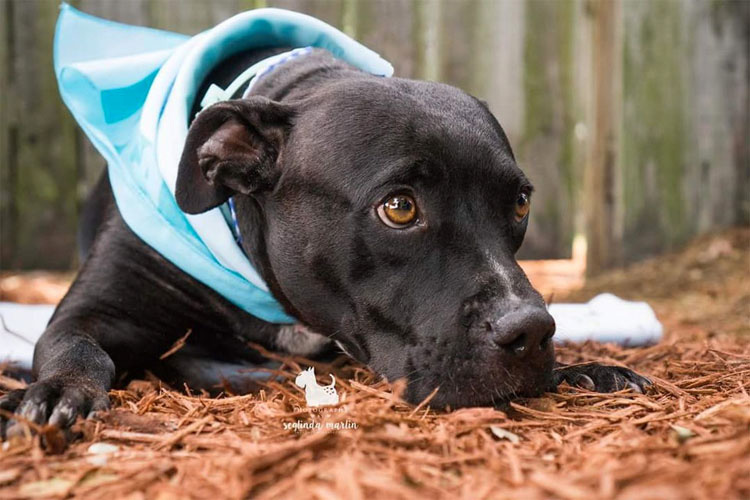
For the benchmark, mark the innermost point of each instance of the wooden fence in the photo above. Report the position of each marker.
(630, 116)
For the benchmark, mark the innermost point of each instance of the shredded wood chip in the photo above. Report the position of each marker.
(576, 444)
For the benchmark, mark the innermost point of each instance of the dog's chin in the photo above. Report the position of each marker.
(479, 392)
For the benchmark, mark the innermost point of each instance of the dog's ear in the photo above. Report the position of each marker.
(231, 147)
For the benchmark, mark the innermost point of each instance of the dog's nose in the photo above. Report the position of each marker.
(524, 331)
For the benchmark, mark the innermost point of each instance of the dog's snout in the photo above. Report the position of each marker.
(522, 332)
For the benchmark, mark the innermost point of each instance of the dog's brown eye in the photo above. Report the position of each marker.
(523, 205)
(398, 211)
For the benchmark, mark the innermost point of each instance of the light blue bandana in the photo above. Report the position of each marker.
(131, 90)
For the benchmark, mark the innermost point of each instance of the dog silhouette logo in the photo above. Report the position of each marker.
(315, 394)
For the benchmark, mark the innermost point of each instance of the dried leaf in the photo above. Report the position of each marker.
(501, 433)
(682, 433)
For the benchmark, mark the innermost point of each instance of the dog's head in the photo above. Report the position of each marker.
(385, 213)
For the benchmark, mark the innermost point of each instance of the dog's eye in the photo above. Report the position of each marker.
(398, 211)
(523, 205)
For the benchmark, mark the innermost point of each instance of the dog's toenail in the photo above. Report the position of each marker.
(585, 382)
(635, 387)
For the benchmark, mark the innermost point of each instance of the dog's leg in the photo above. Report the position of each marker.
(599, 378)
(74, 374)
(200, 369)
(125, 309)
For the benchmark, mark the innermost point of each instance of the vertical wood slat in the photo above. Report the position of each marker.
(387, 27)
(545, 147)
(654, 150)
(600, 175)
(40, 158)
(8, 139)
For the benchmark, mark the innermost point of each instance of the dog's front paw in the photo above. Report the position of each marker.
(600, 378)
(50, 401)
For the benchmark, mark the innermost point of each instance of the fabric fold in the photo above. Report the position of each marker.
(131, 90)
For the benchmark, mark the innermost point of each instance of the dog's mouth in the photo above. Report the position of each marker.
(468, 384)
(461, 367)
(472, 395)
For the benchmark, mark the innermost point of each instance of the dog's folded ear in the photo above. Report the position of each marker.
(231, 147)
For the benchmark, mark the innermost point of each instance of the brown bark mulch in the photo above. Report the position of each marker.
(688, 437)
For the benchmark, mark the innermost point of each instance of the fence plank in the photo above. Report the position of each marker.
(8, 138)
(41, 158)
(601, 172)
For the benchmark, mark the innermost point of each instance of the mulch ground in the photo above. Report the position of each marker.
(688, 437)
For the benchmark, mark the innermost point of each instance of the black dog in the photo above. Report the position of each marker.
(383, 213)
